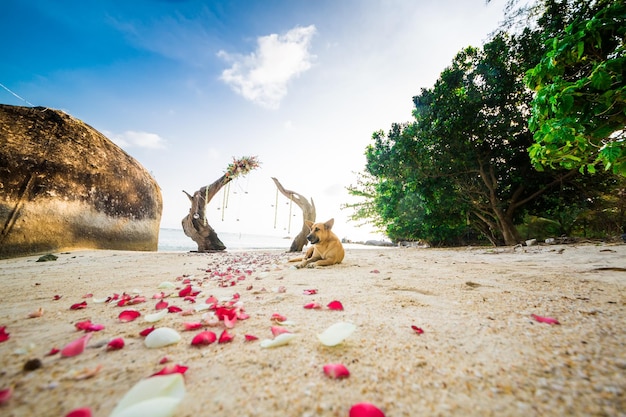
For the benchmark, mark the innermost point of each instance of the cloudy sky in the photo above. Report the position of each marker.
(186, 85)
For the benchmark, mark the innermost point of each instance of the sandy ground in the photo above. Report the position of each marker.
(481, 352)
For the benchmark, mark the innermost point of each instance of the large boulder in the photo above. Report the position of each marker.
(64, 185)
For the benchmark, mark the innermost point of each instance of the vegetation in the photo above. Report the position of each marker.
(461, 171)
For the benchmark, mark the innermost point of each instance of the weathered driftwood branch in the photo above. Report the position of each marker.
(195, 224)
(308, 213)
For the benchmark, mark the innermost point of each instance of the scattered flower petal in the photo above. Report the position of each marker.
(204, 338)
(547, 320)
(53, 352)
(79, 306)
(375, 271)
(151, 318)
(79, 412)
(312, 306)
(5, 395)
(172, 369)
(336, 370)
(100, 300)
(280, 340)
(129, 315)
(116, 344)
(146, 332)
(250, 337)
(174, 309)
(193, 326)
(161, 305)
(276, 330)
(417, 330)
(162, 336)
(225, 337)
(335, 305)
(166, 285)
(365, 410)
(336, 333)
(310, 292)
(278, 317)
(86, 373)
(157, 396)
(76, 347)
(4, 336)
(57, 297)
(88, 326)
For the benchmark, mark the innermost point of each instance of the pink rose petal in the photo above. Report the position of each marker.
(276, 330)
(116, 344)
(192, 326)
(53, 351)
(79, 412)
(76, 347)
(278, 317)
(129, 315)
(335, 305)
(5, 395)
(4, 336)
(172, 369)
(204, 338)
(336, 370)
(547, 320)
(250, 337)
(312, 306)
(365, 410)
(146, 332)
(225, 337)
(161, 305)
(417, 330)
(310, 292)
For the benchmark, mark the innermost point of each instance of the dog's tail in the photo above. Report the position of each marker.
(296, 260)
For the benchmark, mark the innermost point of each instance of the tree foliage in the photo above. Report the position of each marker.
(579, 112)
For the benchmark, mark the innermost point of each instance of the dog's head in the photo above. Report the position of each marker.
(319, 231)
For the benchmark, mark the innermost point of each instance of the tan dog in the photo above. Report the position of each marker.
(326, 248)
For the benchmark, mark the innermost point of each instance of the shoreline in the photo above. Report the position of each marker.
(481, 352)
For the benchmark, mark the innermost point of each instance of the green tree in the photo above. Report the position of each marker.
(464, 158)
(579, 112)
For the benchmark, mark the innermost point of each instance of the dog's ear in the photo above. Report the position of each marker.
(309, 223)
(329, 224)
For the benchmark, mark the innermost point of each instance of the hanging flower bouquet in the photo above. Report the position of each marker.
(242, 166)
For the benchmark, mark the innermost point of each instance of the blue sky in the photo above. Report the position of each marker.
(184, 86)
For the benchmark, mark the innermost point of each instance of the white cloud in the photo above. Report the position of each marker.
(262, 76)
(133, 139)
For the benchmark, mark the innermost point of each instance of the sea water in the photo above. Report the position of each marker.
(175, 240)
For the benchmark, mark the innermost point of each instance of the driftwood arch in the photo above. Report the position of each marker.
(308, 213)
(195, 224)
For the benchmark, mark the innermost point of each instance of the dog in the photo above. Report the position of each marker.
(326, 248)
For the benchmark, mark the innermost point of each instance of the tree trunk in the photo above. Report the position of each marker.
(308, 213)
(195, 224)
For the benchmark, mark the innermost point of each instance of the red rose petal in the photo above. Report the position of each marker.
(172, 369)
(310, 292)
(5, 395)
(225, 337)
(365, 410)
(76, 347)
(79, 412)
(57, 297)
(335, 305)
(129, 315)
(174, 309)
(116, 344)
(276, 330)
(204, 338)
(336, 370)
(417, 330)
(192, 326)
(79, 306)
(547, 320)
(312, 306)
(146, 332)
(53, 351)
(161, 305)
(250, 337)
(4, 336)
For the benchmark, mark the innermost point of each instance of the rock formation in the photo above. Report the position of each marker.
(64, 185)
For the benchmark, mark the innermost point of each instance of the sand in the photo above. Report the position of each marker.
(481, 352)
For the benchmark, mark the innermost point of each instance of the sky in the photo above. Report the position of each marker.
(185, 86)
